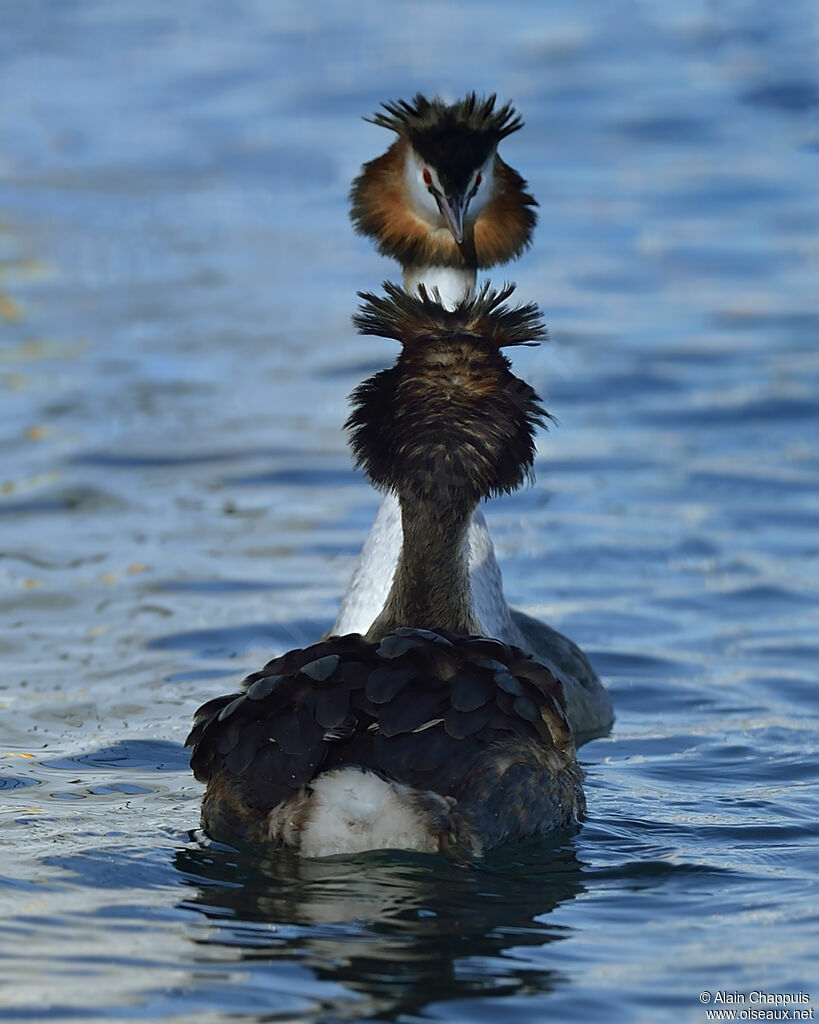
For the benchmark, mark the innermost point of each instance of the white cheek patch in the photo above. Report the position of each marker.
(421, 199)
(484, 193)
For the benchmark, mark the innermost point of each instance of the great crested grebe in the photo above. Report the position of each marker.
(443, 203)
(418, 735)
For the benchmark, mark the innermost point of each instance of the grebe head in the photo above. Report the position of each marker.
(451, 154)
(439, 179)
(448, 423)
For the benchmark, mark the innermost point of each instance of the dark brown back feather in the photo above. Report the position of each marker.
(420, 707)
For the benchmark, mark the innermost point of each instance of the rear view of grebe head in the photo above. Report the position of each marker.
(441, 195)
(449, 423)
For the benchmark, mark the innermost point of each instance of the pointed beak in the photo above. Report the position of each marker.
(453, 209)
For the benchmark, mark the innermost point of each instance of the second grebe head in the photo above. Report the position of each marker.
(441, 195)
(451, 155)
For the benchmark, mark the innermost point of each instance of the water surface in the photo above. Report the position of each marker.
(177, 274)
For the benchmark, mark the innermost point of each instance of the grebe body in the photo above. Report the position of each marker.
(425, 740)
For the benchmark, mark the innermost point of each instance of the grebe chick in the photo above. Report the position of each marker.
(440, 200)
(418, 735)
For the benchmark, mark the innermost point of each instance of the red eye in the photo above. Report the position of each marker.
(427, 177)
(479, 179)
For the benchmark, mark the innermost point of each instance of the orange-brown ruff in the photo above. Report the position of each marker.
(466, 131)
(417, 735)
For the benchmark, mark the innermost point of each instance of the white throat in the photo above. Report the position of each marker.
(452, 283)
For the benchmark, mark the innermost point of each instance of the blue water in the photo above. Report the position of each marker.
(177, 274)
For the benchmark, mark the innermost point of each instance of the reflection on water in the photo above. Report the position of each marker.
(177, 273)
(401, 930)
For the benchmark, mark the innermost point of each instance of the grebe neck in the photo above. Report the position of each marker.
(431, 584)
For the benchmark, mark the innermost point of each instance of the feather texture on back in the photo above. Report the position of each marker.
(460, 717)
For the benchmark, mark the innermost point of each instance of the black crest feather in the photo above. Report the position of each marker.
(406, 318)
(455, 138)
(449, 421)
(423, 116)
